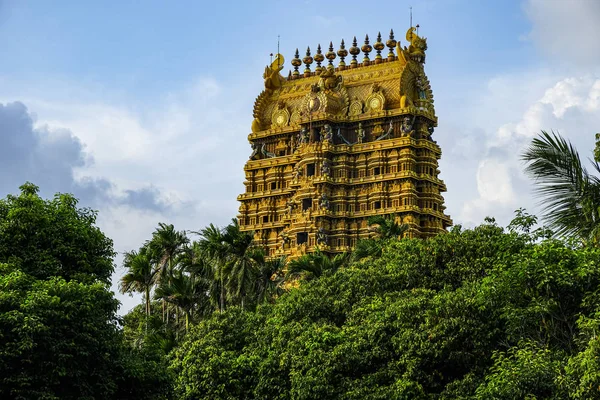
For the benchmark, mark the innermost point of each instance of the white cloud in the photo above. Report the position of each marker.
(566, 30)
(571, 107)
(185, 151)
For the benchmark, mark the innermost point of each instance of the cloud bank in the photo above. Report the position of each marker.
(50, 158)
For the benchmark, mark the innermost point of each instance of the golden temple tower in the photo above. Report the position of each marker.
(334, 146)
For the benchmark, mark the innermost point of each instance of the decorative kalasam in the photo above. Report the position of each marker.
(334, 146)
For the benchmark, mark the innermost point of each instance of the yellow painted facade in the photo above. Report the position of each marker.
(335, 145)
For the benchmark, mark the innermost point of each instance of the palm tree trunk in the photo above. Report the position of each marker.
(169, 272)
(187, 320)
(222, 295)
(147, 307)
(147, 301)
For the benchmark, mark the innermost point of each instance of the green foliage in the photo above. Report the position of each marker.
(569, 194)
(46, 238)
(523, 372)
(482, 313)
(59, 335)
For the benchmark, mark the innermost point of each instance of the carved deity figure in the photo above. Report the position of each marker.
(303, 136)
(325, 168)
(360, 133)
(421, 88)
(290, 205)
(324, 202)
(327, 133)
(321, 236)
(407, 126)
(430, 130)
(298, 173)
(255, 150)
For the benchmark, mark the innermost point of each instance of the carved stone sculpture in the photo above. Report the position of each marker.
(321, 236)
(327, 133)
(360, 133)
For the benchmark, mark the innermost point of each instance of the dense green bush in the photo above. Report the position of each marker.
(483, 313)
(59, 333)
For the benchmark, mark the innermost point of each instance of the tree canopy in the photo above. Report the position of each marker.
(482, 313)
(59, 333)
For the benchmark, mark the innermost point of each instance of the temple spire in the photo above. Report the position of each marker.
(307, 61)
(342, 53)
(366, 49)
(354, 50)
(391, 43)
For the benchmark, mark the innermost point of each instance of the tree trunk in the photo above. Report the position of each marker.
(169, 281)
(147, 307)
(222, 294)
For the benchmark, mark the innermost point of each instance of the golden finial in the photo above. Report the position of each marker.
(391, 44)
(319, 59)
(307, 60)
(354, 50)
(330, 55)
(342, 52)
(366, 49)
(296, 62)
(378, 45)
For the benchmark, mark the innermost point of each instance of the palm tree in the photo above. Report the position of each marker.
(184, 292)
(242, 259)
(384, 229)
(269, 279)
(233, 257)
(165, 244)
(140, 276)
(314, 265)
(215, 250)
(569, 195)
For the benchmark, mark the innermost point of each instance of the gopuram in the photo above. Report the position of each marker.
(333, 146)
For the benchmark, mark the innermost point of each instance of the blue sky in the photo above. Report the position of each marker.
(142, 108)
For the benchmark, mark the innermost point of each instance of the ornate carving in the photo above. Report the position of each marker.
(325, 168)
(324, 202)
(273, 80)
(389, 133)
(407, 126)
(356, 108)
(303, 136)
(321, 236)
(329, 80)
(295, 117)
(280, 116)
(360, 133)
(326, 133)
(376, 100)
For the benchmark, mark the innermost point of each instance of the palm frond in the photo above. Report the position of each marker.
(568, 194)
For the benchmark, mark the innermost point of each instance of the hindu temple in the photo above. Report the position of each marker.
(332, 145)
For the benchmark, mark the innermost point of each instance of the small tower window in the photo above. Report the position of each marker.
(310, 170)
(301, 237)
(306, 204)
(377, 205)
(273, 185)
(377, 171)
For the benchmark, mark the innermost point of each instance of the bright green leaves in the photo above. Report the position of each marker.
(47, 238)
